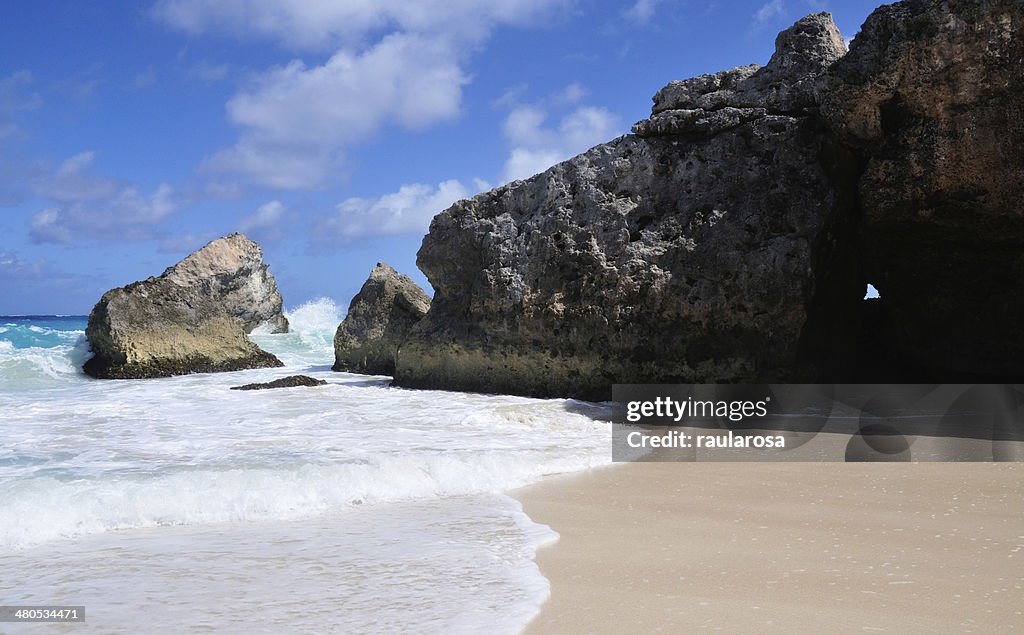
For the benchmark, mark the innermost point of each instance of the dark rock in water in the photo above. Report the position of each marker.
(698, 250)
(193, 318)
(932, 95)
(378, 321)
(284, 382)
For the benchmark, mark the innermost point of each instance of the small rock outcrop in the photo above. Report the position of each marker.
(789, 84)
(696, 250)
(193, 318)
(931, 95)
(291, 381)
(378, 321)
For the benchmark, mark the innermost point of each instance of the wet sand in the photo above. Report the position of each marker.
(784, 547)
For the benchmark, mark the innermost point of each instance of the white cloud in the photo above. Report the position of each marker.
(265, 223)
(72, 182)
(641, 11)
(536, 147)
(296, 120)
(15, 97)
(16, 173)
(394, 63)
(267, 215)
(90, 205)
(209, 72)
(768, 10)
(511, 96)
(12, 266)
(571, 94)
(145, 79)
(325, 25)
(407, 211)
(525, 126)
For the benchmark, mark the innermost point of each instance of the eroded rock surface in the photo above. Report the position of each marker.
(730, 239)
(192, 318)
(694, 251)
(378, 321)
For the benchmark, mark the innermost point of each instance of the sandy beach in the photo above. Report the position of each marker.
(793, 547)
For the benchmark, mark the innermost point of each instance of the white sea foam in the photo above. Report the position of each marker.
(451, 565)
(168, 461)
(36, 366)
(392, 493)
(310, 338)
(48, 507)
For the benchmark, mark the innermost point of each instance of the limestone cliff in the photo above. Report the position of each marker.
(692, 251)
(378, 321)
(731, 237)
(192, 318)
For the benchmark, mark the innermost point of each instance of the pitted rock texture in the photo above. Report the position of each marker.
(730, 239)
(193, 318)
(691, 252)
(232, 270)
(788, 85)
(378, 321)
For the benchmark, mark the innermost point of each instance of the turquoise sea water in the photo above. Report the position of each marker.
(176, 504)
(45, 331)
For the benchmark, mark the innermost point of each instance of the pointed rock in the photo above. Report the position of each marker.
(379, 319)
(193, 318)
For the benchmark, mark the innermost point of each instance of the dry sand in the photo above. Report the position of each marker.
(783, 548)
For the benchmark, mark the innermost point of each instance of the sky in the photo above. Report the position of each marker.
(132, 133)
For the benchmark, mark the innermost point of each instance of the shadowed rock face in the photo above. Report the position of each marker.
(932, 96)
(193, 318)
(378, 321)
(694, 251)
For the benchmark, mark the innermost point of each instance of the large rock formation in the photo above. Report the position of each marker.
(932, 95)
(698, 250)
(732, 236)
(192, 318)
(378, 321)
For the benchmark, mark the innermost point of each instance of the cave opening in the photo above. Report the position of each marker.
(875, 361)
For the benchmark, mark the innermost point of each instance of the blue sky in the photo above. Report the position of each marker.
(132, 133)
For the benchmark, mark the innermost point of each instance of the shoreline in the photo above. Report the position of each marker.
(784, 547)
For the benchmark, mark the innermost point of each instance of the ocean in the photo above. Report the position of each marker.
(178, 505)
